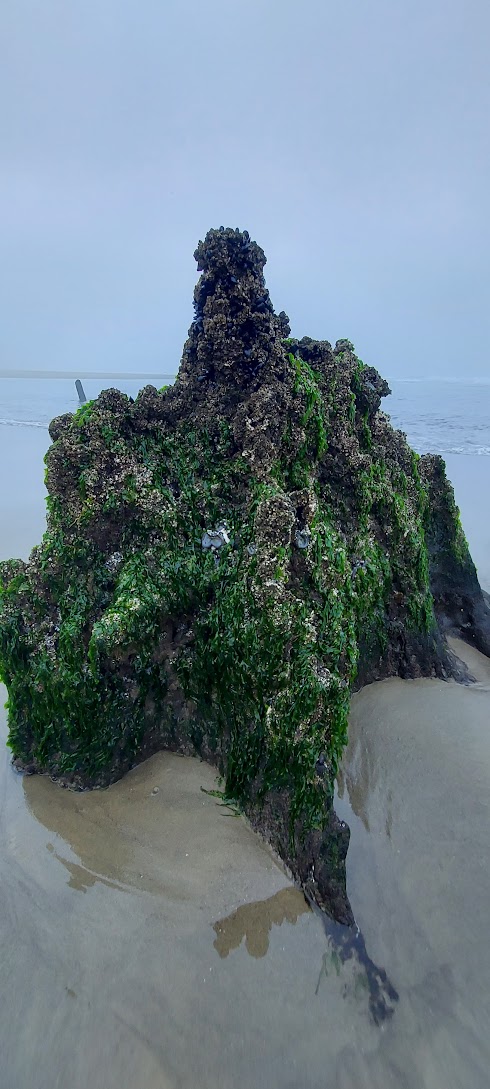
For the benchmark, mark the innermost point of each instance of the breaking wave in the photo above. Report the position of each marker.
(22, 423)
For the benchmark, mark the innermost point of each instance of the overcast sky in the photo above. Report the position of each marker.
(351, 138)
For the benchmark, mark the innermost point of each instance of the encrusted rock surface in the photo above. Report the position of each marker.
(224, 560)
(458, 599)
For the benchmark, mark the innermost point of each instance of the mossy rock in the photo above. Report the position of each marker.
(224, 560)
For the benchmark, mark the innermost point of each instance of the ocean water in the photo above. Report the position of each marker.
(34, 402)
(442, 416)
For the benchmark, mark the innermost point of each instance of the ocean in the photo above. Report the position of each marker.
(442, 416)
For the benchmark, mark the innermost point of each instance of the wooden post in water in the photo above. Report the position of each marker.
(80, 390)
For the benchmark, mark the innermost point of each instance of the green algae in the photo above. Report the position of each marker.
(266, 674)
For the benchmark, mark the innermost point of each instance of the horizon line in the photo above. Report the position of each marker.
(82, 374)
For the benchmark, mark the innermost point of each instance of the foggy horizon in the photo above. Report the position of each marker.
(351, 142)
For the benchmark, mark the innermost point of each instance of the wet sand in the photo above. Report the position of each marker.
(415, 789)
(150, 939)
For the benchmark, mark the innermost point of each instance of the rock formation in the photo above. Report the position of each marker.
(224, 560)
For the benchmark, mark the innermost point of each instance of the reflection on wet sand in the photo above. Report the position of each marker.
(346, 947)
(255, 921)
(81, 878)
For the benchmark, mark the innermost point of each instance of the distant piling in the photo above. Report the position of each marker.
(81, 392)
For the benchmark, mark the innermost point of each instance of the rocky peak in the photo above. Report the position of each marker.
(235, 336)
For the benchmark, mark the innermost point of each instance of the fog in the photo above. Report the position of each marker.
(350, 139)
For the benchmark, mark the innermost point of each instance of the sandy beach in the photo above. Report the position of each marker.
(150, 939)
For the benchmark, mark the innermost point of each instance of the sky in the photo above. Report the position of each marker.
(350, 138)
